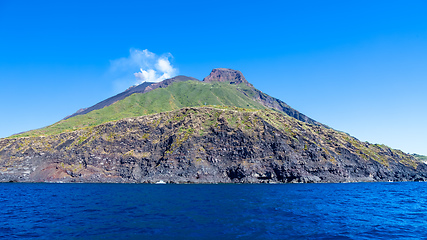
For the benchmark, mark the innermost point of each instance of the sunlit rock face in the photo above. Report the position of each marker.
(226, 75)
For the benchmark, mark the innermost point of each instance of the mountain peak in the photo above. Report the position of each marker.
(226, 75)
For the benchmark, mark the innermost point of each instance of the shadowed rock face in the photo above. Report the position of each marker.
(226, 75)
(204, 145)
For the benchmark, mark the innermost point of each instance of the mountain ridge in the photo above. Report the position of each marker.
(141, 88)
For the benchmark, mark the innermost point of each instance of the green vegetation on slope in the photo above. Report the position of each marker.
(420, 157)
(175, 96)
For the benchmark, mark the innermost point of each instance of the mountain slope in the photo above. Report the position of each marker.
(142, 88)
(204, 145)
(107, 102)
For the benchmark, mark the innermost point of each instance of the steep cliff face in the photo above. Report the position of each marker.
(204, 145)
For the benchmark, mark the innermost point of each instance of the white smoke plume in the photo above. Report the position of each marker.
(145, 66)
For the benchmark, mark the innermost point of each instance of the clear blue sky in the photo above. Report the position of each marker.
(357, 66)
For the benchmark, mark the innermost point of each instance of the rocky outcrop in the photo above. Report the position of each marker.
(204, 145)
(226, 75)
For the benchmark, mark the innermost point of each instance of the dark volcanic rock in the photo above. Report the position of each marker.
(204, 145)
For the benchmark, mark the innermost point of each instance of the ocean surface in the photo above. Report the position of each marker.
(223, 211)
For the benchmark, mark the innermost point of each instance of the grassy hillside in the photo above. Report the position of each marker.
(420, 157)
(176, 96)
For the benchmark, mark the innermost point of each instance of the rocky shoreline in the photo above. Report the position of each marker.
(204, 145)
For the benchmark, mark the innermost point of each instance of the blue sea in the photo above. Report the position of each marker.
(223, 211)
